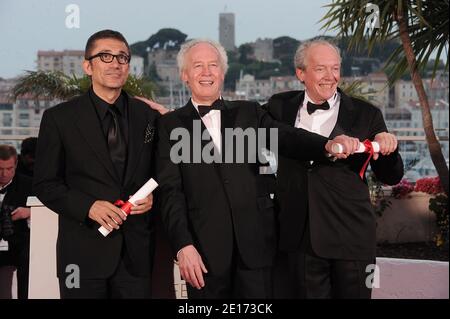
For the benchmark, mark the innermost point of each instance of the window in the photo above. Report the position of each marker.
(7, 120)
(6, 107)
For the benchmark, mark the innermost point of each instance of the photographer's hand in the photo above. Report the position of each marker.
(20, 213)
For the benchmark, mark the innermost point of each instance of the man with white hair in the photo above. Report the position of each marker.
(219, 216)
(327, 224)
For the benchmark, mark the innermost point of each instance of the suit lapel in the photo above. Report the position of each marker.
(227, 120)
(291, 109)
(346, 117)
(228, 117)
(136, 131)
(188, 114)
(89, 127)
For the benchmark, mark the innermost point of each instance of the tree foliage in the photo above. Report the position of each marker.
(422, 28)
(168, 38)
(60, 86)
(428, 28)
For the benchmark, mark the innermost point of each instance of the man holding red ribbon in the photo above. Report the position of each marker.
(93, 150)
(327, 225)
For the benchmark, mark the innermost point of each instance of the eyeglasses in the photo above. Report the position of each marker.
(108, 57)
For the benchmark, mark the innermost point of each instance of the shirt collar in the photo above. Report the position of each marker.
(195, 104)
(102, 106)
(332, 101)
(6, 185)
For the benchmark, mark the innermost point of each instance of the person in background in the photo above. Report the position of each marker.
(14, 231)
(25, 164)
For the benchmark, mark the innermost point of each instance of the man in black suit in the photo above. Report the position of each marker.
(92, 151)
(218, 214)
(327, 224)
(14, 232)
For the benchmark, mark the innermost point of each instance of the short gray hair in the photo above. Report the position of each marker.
(302, 50)
(185, 47)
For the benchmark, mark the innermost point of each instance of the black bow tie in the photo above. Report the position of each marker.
(311, 107)
(217, 105)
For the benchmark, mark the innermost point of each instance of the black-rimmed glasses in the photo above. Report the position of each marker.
(108, 57)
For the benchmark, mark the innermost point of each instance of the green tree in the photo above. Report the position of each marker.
(57, 85)
(245, 53)
(233, 74)
(421, 26)
(284, 50)
(171, 38)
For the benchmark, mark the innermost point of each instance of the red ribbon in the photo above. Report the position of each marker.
(368, 149)
(124, 206)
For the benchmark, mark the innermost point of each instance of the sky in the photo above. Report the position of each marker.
(27, 26)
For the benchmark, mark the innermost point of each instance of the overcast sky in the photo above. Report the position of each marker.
(27, 26)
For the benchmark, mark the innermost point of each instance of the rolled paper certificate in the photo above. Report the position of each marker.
(125, 207)
(339, 148)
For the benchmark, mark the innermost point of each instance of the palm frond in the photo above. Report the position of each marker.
(428, 27)
(356, 89)
(57, 85)
(46, 84)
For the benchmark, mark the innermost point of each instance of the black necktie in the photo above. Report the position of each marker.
(311, 107)
(204, 109)
(116, 141)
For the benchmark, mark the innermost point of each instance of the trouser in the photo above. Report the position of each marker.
(316, 277)
(237, 282)
(121, 285)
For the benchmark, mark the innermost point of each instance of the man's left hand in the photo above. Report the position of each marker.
(387, 142)
(20, 213)
(143, 205)
(156, 106)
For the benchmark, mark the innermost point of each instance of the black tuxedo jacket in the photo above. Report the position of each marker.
(331, 194)
(215, 206)
(73, 169)
(16, 196)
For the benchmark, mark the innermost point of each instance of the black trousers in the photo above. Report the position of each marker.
(238, 282)
(19, 257)
(121, 285)
(314, 277)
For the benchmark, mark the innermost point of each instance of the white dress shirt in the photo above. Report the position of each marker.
(321, 121)
(212, 123)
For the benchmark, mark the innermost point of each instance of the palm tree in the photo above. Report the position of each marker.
(422, 27)
(57, 85)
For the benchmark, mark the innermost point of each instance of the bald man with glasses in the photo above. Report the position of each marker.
(92, 151)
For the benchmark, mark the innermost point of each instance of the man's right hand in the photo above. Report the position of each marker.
(191, 266)
(350, 145)
(106, 214)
